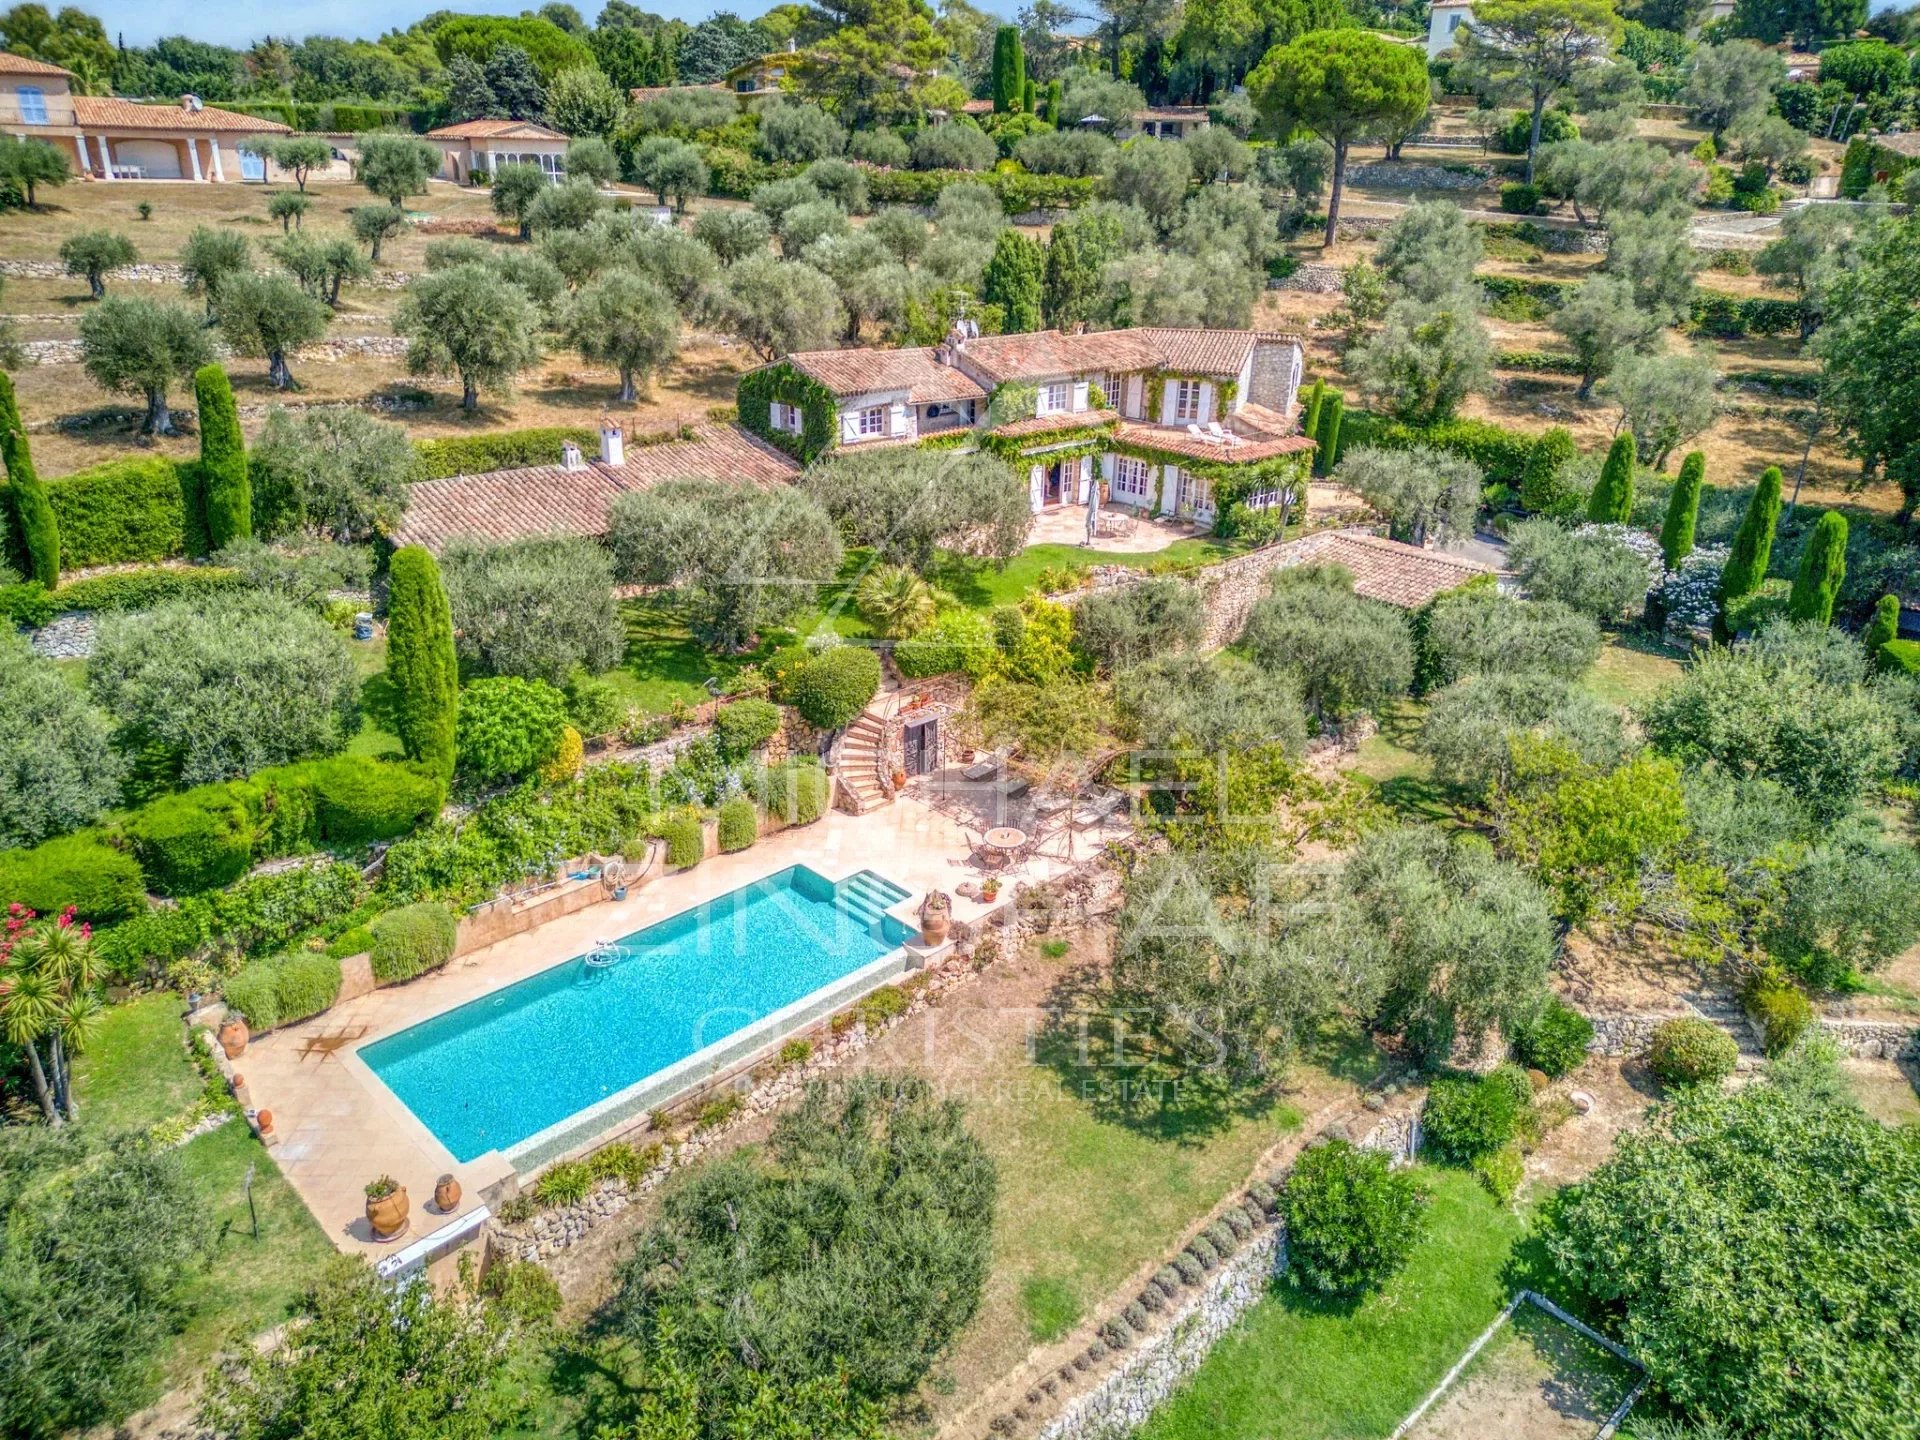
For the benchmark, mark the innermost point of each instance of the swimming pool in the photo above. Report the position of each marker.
(515, 1066)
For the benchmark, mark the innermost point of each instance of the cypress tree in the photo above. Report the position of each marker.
(223, 460)
(1884, 626)
(420, 659)
(1029, 97)
(1753, 544)
(1541, 485)
(1013, 281)
(1053, 102)
(1683, 511)
(1009, 70)
(33, 516)
(1328, 432)
(1310, 416)
(1823, 565)
(1612, 500)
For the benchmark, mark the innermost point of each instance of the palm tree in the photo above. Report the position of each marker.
(27, 1003)
(53, 987)
(895, 601)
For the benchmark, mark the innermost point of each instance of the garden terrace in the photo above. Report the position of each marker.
(545, 499)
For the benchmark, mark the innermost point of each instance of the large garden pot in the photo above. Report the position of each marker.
(233, 1037)
(446, 1194)
(387, 1214)
(936, 917)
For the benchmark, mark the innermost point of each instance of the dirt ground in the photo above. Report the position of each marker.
(1537, 1379)
(1621, 1091)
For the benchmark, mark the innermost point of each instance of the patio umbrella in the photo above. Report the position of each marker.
(1093, 510)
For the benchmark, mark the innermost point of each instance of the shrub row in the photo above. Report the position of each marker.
(335, 115)
(411, 941)
(1714, 312)
(1019, 191)
(126, 511)
(1502, 454)
(284, 990)
(797, 792)
(500, 450)
(33, 605)
(257, 916)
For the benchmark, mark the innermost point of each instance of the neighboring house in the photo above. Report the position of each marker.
(112, 139)
(764, 74)
(1152, 415)
(1444, 19)
(1169, 122)
(486, 145)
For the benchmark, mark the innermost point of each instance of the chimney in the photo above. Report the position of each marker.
(190, 103)
(613, 445)
(570, 458)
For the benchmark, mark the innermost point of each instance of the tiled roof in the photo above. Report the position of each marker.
(1403, 575)
(861, 372)
(545, 499)
(1172, 112)
(1041, 353)
(1202, 352)
(1059, 420)
(110, 114)
(1906, 144)
(495, 130)
(1175, 440)
(21, 65)
(977, 107)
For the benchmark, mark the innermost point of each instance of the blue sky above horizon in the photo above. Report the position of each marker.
(142, 22)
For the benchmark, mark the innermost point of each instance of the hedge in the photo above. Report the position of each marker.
(685, 840)
(957, 640)
(284, 990)
(141, 589)
(126, 510)
(260, 914)
(739, 824)
(1714, 312)
(835, 686)
(744, 726)
(1502, 454)
(102, 883)
(197, 840)
(29, 603)
(501, 450)
(798, 791)
(335, 115)
(410, 941)
(1901, 656)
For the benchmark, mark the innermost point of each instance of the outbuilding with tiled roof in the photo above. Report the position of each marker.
(480, 147)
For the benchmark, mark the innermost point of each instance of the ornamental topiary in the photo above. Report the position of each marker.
(421, 663)
(198, 840)
(685, 840)
(33, 516)
(1823, 566)
(101, 883)
(744, 726)
(1752, 548)
(739, 824)
(1884, 626)
(1611, 502)
(508, 727)
(797, 792)
(1543, 487)
(410, 941)
(359, 802)
(1352, 1221)
(1556, 1041)
(1467, 1117)
(1691, 1051)
(1683, 511)
(223, 460)
(835, 686)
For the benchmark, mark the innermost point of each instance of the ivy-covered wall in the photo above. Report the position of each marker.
(818, 409)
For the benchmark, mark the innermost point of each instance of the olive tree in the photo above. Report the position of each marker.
(467, 321)
(140, 347)
(906, 503)
(1592, 571)
(1425, 359)
(1425, 493)
(56, 754)
(516, 185)
(1349, 655)
(268, 315)
(1664, 400)
(211, 257)
(298, 155)
(394, 166)
(539, 609)
(374, 225)
(335, 472)
(779, 307)
(625, 320)
(672, 169)
(92, 253)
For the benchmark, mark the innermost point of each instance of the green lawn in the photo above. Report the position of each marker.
(978, 584)
(1389, 761)
(1302, 1369)
(1631, 668)
(135, 1073)
(376, 735)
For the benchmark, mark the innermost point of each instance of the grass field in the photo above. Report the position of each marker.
(1301, 1368)
(1631, 668)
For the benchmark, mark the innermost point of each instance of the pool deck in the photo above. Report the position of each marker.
(338, 1127)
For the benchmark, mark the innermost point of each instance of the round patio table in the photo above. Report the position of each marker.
(1002, 841)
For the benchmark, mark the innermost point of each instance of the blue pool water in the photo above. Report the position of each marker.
(507, 1066)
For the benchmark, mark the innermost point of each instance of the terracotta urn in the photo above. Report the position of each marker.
(233, 1037)
(446, 1194)
(936, 917)
(264, 1120)
(387, 1208)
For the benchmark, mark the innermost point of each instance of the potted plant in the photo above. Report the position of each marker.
(990, 889)
(936, 917)
(899, 776)
(386, 1207)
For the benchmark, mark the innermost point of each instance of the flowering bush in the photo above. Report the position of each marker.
(1691, 594)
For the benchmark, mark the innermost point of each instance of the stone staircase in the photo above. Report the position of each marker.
(861, 756)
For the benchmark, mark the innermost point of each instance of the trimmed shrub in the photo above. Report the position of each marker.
(1543, 486)
(744, 726)
(1190, 1270)
(285, 989)
(410, 941)
(30, 604)
(1752, 549)
(1902, 657)
(1116, 1333)
(835, 686)
(685, 840)
(1222, 1237)
(255, 995)
(126, 511)
(1520, 199)
(739, 824)
(1683, 511)
(1783, 1013)
(1611, 502)
(1327, 436)
(1556, 1041)
(82, 870)
(959, 640)
(798, 791)
(1823, 565)
(421, 664)
(223, 460)
(501, 450)
(1201, 1250)
(199, 840)
(1691, 1051)
(1467, 1117)
(143, 589)
(359, 802)
(1167, 1281)
(509, 727)
(1352, 1221)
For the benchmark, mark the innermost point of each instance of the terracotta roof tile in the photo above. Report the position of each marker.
(1903, 144)
(641, 94)
(1201, 352)
(861, 372)
(546, 500)
(1060, 420)
(495, 130)
(1043, 353)
(1175, 440)
(21, 65)
(106, 113)
(1172, 112)
(1403, 575)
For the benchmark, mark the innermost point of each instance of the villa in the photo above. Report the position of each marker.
(112, 139)
(483, 146)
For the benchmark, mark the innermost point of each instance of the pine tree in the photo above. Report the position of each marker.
(1683, 511)
(1823, 565)
(1013, 281)
(1327, 434)
(420, 659)
(1884, 626)
(1009, 70)
(1753, 544)
(1612, 500)
(223, 460)
(33, 516)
